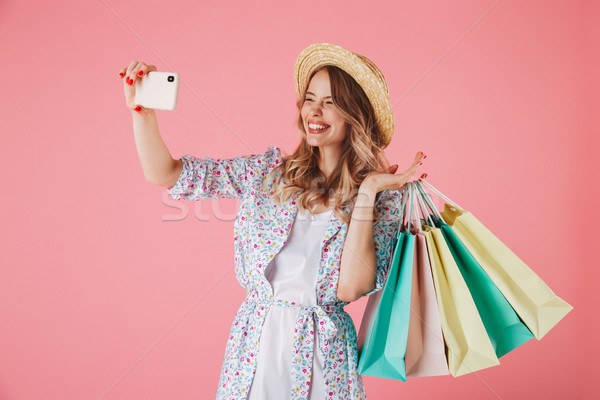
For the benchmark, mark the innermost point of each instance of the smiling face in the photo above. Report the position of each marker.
(324, 124)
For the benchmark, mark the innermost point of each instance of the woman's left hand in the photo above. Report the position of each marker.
(387, 178)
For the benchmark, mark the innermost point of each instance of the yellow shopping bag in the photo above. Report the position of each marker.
(534, 302)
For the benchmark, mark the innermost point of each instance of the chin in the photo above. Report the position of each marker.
(314, 140)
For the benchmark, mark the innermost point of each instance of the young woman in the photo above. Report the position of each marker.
(314, 231)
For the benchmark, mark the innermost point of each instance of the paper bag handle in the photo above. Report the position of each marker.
(440, 194)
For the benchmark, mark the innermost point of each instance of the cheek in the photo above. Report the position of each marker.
(338, 119)
(303, 112)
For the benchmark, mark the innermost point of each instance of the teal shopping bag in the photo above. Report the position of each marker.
(502, 324)
(384, 349)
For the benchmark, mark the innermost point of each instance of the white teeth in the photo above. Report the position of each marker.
(314, 126)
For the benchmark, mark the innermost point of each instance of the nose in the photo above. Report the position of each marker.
(315, 108)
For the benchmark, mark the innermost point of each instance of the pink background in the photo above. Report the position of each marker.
(109, 290)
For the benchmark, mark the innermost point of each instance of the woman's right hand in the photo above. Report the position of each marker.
(386, 177)
(136, 70)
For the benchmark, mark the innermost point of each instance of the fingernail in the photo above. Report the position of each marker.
(420, 163)
(138, 108)
(424, 157)
(141, 73)
(127, 80)
(131, 81)
(121, 74)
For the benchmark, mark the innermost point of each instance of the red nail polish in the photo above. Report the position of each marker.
(141, 73)
(121, 74)
(138, 108)
(424, 157)
(420, 163)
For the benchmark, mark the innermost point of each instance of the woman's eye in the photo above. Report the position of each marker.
(327, 102)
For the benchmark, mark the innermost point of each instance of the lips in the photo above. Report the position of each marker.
(317, 131)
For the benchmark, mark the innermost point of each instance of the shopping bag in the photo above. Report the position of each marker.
(383, 334)
(425, 349)
(366, 325)
(414, 341)
(505, 330)
(535, 303)
(503, 326)
(468, 345)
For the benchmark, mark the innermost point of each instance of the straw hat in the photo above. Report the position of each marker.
(368, 76)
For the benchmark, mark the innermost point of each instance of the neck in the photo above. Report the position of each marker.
(329, 158)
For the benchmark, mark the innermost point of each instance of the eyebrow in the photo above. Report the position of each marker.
(326, 97)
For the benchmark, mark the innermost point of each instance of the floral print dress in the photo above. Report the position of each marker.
(261, 228)
(293, 275)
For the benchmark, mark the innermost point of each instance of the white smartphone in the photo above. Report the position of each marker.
(157, 90)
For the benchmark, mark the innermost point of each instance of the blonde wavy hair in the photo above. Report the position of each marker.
(299, 172)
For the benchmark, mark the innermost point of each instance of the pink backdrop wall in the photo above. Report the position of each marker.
(109, 290)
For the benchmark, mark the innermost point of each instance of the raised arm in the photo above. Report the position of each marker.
(368, 247)
(158, 165)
